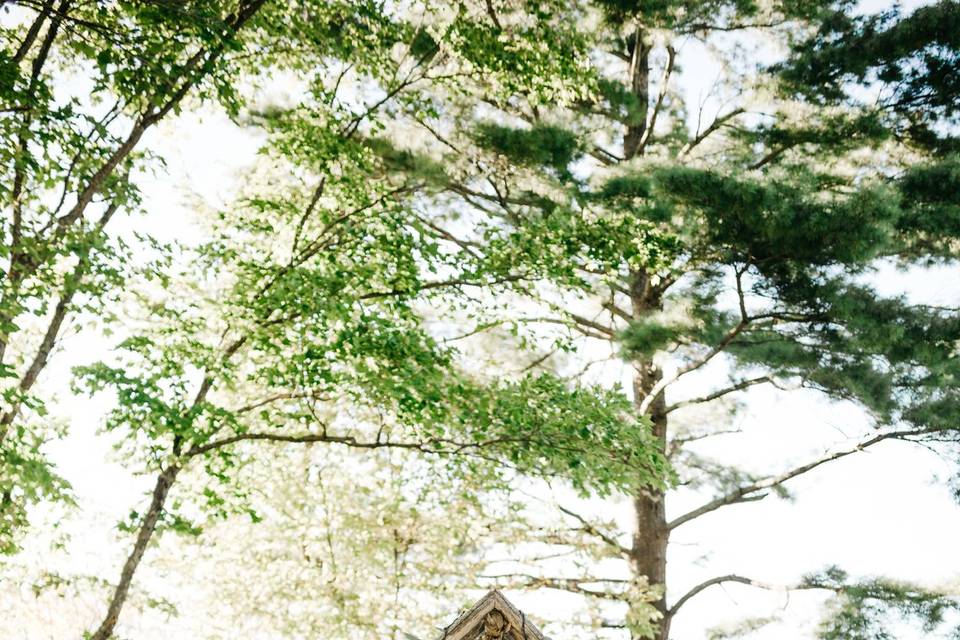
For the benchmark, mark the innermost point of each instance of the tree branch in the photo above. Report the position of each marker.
(706, 584)
(247, 408)
(32, 32)
(664, 84)
(71, 284)
(438, 446)
(164, 481)
(674, 445)
(745, 320)
(745, 493)
(589, 528)
(771, 156)
(573, 585)
(591, 324)
(718, 122)
(743, 384)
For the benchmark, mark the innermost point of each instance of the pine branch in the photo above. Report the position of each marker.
(771, 156)
(678, 442)
(745, 320)
(608, 158)
(705, 27)
(586, 322)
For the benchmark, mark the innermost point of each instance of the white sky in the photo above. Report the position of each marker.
(876, 513)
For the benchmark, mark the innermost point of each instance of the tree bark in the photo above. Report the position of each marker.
(147, 527)
(648, 553)
(640, 86)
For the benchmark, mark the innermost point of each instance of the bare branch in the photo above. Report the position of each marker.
(606, 157)
(442, 284)
(706, 584)
(746, 492)
(718, 122)
(493, 15)
(771, 156)
(573, 585)
(664, 84)
(704, 27)
(743, 384)
(540, 360)
(678, 442)
(596, 326)
(615, 309)
(439, 446)
(467, 245)
(305, 395)
(591, 529)
(311, 207)
(745, 320)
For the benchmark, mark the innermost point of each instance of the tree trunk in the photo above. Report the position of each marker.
(640, 86)
(648, 555)
(164, 481)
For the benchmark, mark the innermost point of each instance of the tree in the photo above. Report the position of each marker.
(298, 318)
(80, 86)
(740, 243)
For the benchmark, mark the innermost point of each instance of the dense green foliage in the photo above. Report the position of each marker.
(300, 317)
(913, 58)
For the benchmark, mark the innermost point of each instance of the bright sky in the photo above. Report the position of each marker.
(876, 513)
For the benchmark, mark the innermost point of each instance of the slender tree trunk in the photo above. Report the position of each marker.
(640, 86)
(648, 554)
(147, 527)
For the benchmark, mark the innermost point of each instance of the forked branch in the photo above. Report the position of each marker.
(719, 122)
(731, 335)
(664, 85)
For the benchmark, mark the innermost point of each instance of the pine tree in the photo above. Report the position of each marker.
(743, 240)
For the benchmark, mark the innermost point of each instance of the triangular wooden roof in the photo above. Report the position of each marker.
(492, 618)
